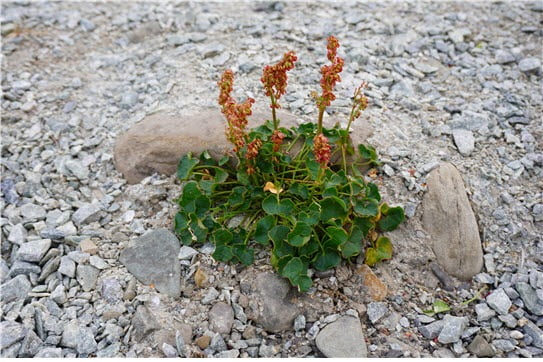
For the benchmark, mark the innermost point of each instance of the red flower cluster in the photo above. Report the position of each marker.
(360, 101)
(330, 74)
(274, 77)
(252, 152)
(277, 139)
(321, 149)
(236, 114)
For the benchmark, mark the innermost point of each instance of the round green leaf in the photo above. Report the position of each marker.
(303, 282)
(278, 233)
(244, 254)
(185, 167)
(391, 217)
(337, 235)
(263, 226)
(271, 205)
(299, 190)
(366, 207)
(222, 237)
(300, 235)
(332, 207)
(293, 268)
(222, 253)
(328, 260)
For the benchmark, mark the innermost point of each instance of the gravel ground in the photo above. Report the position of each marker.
(457, 82)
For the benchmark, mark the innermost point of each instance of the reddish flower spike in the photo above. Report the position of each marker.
(321, 149)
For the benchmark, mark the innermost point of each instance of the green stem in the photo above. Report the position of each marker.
(319, 124)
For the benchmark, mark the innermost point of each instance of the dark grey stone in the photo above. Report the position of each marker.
(153, 260)
(432, 330)
(342, 339)
(51, 233)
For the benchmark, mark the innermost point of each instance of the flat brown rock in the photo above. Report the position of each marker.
(449, 219)
(157, 143)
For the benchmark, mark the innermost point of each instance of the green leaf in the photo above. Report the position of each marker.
(223, 160)
(313, 167)
(222, 237)
(199, 230)
(303, 282)
(336, 179)
(330, 191)
(271, 205)
(220, 175)
(223, 253)
(372, 192)
(366, 207)
(262, 227)
(185, 167)
(327, 260)
(279, 233)
(368, 153)
(236, 197)
(332, 207)
(365, 224)
(243, 178)
(201, 205)
(440, 306)
(391, 217)
(244, 254)
(190, 193)
(382, 251)
(294, 268)
(299, 190)
(308, 251)
(181, 221)
(337, 235)
(207, 186)
(311, 217)
(300, 235)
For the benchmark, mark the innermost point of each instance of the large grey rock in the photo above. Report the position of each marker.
(271, 306)
(376, 310)
(530, 65)
(342, 339)
(112, 290)
(85, 341)
(32, 212)
(484, 312)
(143, 323)
(153, 260)
(10, 333)
(157, 143)
(15, 289)
(499, 301)
(221, 318)
(69, 334)
(31, 345)
(432, 330)
(67, 266)
(535, 332)
(453, 327)
(49, 352)
(530, 298)
(33, 251)
(449, 219)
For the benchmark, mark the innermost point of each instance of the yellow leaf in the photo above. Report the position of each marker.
(271, 188)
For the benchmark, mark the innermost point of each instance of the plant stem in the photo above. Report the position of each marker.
(274, 116)
(319, 124)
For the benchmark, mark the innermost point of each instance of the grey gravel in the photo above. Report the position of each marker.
(432, 330)
(34, 251)
(499, 301)
(464, 141)
(484, 312)
(453, 327)
(376, 310)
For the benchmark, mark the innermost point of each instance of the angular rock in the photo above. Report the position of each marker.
(432, 330)
(453, 327)
(480, 347)
(85, 342)
(86, 275)
(499, 301)
(67, 266)
(59, 295)
(153, 260)
(15, 289)
(186, 253)
(271, 295)
(112, 290)
(503, 345)
(342, 339)
(157, 143)
(88, 246)
(376, 311)
(376, 289)
(221, 318)
(143, 323)
(86, 214)
(530, 65)
(449, 219)
(49, 352)
(464, 141)
(33, 251)
(10, 333)
(32, 212)
(530, 298)
(69, 334)
(17, 234)
(22, 267)
(535, 333)
(31, 345)
(484, 313)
